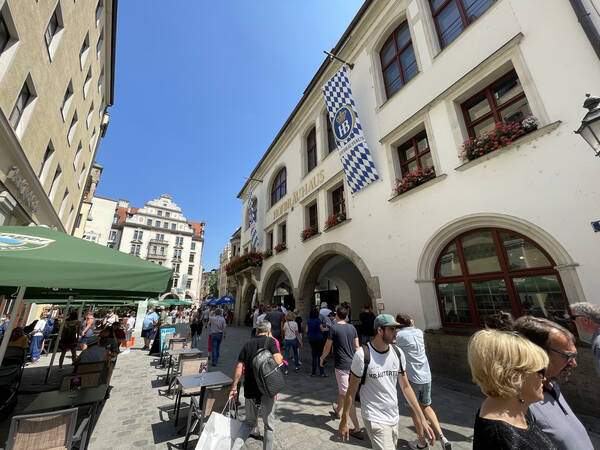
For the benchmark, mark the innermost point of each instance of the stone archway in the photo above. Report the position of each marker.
(436, 243)
(169, 295)
(318, 262)
(245, 302)
(277, 276)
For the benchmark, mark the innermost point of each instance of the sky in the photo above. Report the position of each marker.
(201, 90)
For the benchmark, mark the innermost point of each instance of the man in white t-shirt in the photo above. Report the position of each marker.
(324, 316)
(378, 394)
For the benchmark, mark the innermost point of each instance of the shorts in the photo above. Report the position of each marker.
(84, 339)
(422, 392)
(148, 334)
(342, 377)
(383, 437)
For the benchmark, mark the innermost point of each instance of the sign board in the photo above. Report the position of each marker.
(163, 333)
(380, 306)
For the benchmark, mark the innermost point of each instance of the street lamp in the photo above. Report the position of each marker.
(590, 125)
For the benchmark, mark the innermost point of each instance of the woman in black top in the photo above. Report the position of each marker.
(509, 369)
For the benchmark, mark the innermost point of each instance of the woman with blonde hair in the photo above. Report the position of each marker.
(509, 369)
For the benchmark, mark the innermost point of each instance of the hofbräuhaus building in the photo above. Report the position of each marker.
(484, 196)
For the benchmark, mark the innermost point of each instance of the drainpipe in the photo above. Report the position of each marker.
(586, 23)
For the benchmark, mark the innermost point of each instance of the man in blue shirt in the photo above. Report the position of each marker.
(148, 330)
(587, 318)
(3, 325)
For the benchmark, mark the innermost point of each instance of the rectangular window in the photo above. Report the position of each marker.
(72, 128)
(52, 28)
(113, 236)
(415, 154)
(159, 212)
(77, 156)
(398, 62)
(55, 181)
(331, 146)
(85, 49)
(188, 284)
(63, 203)
(167, 214)
(270, 240)
(166, 225)
(67, 100)
(311, 150)
(283, 233)
(135, 249)
(89, 116)
(81, 175)
(175, 281)
(87, 82)
(115, 219)
(99, 9)
(451, 17)
(502, 101)
(158, 224)
(46, 161)
(192, 257)
(162, 250)
(92, 140)
(193, 246)
(23, 100)
(149, 222)
(190, 270)
(4, 34)
(313, 219)
(99, 44)
(337, 200)
(173, 226)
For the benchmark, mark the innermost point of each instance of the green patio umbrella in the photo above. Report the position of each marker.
(52, 265)
(176, 302)
(158, 303)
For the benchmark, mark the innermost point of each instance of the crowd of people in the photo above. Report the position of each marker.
(518, 364)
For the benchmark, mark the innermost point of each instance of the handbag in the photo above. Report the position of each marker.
(221, 430)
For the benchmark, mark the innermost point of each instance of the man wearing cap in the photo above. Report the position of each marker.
(378, 394)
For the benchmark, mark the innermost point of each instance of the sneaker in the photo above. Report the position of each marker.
(297, 369)
(445, 444)
(415, 445)
(357, 434)
(285, 372)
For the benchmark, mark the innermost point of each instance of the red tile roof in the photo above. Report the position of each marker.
(198, 228)
(123, 212)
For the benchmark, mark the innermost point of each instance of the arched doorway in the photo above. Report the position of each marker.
(278, 288)
(486, 270)
(336, 274)
(246, 303)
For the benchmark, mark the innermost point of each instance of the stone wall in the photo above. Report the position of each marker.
(448, 357)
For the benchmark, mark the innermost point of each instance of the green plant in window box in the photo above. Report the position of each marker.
(413, 179)
(308, 232)
(252, 259)
(267, 254)
(280, 247)
(335, 219)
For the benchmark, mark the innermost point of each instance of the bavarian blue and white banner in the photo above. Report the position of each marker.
(355, 156)
(252, 219)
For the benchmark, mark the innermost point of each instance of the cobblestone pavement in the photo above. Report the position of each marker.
(137, 416)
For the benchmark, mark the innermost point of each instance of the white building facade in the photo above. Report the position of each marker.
(509, 230)
(99, 221)
(158, 232)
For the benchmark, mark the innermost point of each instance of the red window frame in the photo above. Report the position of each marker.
(463, 17)
(495, 109)
(505, 274)
(337, 200)
(311, 150)
(396, 59)
(279, 188)
(331, 145)
(313, 219)
(418, 155)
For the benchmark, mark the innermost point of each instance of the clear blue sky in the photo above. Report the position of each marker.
(201, 90)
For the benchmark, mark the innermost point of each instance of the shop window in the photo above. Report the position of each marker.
(311, 150)
(279, 187)
(502, 101)
(485, 271)
(451, 17)
(415, 154)
(398, 62)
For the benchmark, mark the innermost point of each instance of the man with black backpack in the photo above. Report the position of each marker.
(260, 359)
(376, 368)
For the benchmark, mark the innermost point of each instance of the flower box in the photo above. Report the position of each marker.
(280, 247)
(334, 220)
(252, 259)
(413, 179)
(308, 232)
(267, 254)
(503, 134)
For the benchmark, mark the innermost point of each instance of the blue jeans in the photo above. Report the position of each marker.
(215, 340)
(292, 344)
(316, 346)
(35, 348)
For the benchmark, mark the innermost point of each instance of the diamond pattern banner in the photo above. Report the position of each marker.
(253, 232)
(355, 156)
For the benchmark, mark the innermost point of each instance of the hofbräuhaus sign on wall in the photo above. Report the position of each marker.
(355, 156)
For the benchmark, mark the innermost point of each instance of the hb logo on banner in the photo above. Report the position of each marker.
(356, 159)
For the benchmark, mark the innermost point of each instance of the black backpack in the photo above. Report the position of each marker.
(367, 360)
(267, 372)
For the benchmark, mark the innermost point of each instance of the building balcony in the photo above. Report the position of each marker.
(158, 241)
(157, 256)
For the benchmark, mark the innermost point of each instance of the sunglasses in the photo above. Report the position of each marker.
(570, 356)
(542, 373)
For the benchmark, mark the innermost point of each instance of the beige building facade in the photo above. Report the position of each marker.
(57, 62)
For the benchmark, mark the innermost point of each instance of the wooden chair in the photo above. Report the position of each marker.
(216, 399)
(50, 430)
(89, 379)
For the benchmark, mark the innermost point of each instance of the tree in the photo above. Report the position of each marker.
(213, 285)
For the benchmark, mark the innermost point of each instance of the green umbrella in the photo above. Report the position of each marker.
(158, 303)
(53, 265)
(176, 302)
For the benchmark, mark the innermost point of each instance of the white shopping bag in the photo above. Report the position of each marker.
(221, 429)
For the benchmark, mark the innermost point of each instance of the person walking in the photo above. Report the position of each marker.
(344, 338)
(257, 312)
(69, 338)
(410, 340)
(196, 327)
(377, 368)
(314, 331)
(510, 370)
(109, 319)
(367, 320)
(148, 327)
(87, 329)
(587, 318)
(129, 327)
(37, 338)
(255, 401)
(217, 327)
(173, 314)
(324, 313)
(275, 316)
(291, 339)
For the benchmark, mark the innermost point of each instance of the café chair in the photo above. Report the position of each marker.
(49, 430)
(89, 379)
(188, 365)
(216, 399)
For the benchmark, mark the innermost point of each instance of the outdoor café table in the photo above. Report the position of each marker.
(181, 351)
(197, 384)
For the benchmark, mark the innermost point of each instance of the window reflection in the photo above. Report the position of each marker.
(455, 305)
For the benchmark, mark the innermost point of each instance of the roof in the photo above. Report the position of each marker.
(198, 228)
(123, 212)
(311, 85)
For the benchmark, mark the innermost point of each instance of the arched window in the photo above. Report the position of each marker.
(279, 188)
(488, 270)
(398, 61)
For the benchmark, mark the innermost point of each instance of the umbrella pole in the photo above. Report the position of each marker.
(13, 319)
(60, 330)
